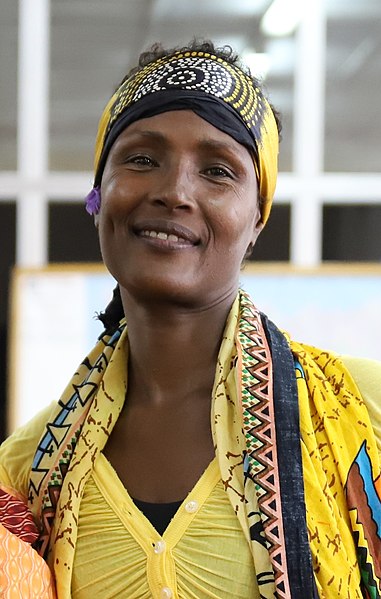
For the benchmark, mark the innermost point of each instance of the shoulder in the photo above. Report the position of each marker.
(16, 453)
(364, 372)
(367, 375)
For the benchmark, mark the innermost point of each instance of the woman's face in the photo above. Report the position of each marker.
(179, 209)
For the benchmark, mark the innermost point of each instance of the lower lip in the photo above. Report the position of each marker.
(166, 244)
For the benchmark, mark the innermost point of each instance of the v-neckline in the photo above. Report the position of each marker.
(117, 496)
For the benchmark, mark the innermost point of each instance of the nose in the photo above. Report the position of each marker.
(175, 187)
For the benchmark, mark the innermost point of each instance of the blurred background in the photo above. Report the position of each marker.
(61, 59)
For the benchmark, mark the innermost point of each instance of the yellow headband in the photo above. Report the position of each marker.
(200, 74)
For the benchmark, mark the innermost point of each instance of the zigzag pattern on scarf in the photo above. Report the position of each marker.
(259, 431)
(60, 438)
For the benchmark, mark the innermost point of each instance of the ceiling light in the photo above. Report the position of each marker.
(282, 17)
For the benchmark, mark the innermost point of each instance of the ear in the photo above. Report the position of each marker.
(258, 225)
(256, 230)
(96, 220)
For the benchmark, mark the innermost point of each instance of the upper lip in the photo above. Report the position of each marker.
(168, 227)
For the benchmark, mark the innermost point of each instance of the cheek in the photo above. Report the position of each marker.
(244, 218)
(117, 199)
(112, 192)
(113, 210)
(233, 232)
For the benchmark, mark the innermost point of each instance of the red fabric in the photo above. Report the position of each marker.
(23, 573)
(16, 517)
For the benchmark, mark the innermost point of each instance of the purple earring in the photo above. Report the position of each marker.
(93, 200)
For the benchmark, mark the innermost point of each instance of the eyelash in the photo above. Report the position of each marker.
(223, 172)
(142, 160)
(212, 171)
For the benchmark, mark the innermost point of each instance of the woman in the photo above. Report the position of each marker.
(235, 462)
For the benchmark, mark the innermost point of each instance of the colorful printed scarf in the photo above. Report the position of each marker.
(295, 447)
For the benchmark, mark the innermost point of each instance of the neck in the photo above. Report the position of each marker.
(172, 351)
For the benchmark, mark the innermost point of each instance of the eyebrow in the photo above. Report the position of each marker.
(214, 144)
(208, 143)
(148, 133)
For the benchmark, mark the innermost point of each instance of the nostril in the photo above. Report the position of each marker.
(171, 202)
(160, 202)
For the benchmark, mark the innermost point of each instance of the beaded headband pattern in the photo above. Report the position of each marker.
(205, 74)
(195, 71)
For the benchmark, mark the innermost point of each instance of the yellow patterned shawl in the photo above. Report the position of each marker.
(295, 447)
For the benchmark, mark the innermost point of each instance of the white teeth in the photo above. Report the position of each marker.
(162, 235)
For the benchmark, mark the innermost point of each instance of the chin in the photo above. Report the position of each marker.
(162, 290)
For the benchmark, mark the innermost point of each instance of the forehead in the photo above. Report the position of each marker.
(182, 127)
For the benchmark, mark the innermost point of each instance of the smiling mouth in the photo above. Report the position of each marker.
(164, 236)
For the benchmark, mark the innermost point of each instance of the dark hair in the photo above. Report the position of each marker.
(113, 313)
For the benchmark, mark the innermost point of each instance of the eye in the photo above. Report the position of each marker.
(142, 160)
(218, 172)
